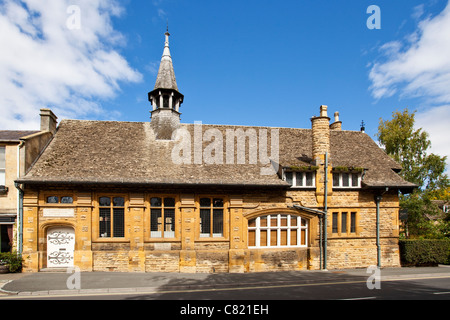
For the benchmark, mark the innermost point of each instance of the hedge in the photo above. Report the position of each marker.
(424, 252)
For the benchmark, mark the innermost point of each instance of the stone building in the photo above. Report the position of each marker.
(168, 196)
(18, 151)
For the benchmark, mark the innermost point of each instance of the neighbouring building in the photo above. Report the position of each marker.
(167, 196)
(18, 151)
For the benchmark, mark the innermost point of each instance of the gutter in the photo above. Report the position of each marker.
(70, 182)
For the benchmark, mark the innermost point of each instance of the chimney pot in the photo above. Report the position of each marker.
(323, 111)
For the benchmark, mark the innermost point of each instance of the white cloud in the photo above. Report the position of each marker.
(46, 64)
(436, 122)
(419, 67)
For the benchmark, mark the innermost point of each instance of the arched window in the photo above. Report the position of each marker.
(277, 230)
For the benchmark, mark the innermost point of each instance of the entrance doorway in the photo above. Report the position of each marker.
(60, 247)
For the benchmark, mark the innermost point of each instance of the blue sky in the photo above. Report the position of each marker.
(262, 63)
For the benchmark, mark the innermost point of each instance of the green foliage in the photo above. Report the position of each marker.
(347, 169)
(11, 259)
(408, 146)
(303, 168)
(425, 219)
(424, 252)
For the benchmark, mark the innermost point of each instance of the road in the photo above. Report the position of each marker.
(415, 288)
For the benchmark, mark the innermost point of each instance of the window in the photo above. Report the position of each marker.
(55, 199)
(211, 217)
(52, 199)
(277, 230)
(165, 101)
(162, 217)
(346, 180)
(343, 223)
(2, 166)
(300, 179)
(112, 217)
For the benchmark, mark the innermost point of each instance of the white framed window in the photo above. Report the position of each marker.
(346, 180)
(211, 217)
(2, 166)
(278, 230)
(300, 179)
(162, 217)
(446, 208)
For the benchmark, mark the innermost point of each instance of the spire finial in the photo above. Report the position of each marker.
(166, 53)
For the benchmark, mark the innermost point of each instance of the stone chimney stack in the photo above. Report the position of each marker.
(320, 135)
(48, 121)
(336, 125)
(321, 146)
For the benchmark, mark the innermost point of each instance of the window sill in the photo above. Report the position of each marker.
(344, 236)
(117, 240)
(280, 247)
(162, 240)
(209, 239)
(302, 187)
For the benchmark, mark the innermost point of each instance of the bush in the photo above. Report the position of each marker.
(11, 259)
(424, 252)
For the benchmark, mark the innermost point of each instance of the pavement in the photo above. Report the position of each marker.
(68, 283)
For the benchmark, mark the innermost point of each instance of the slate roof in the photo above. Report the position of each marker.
(127, 152)
(14, 135)
(166, 75)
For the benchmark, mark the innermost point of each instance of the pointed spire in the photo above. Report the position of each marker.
(166, 74)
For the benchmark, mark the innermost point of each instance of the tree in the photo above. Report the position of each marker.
(408, 146)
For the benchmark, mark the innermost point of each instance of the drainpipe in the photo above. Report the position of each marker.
(19, 202)
(321, 214)
(326, 213)
(19, 219)
(377, 201)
